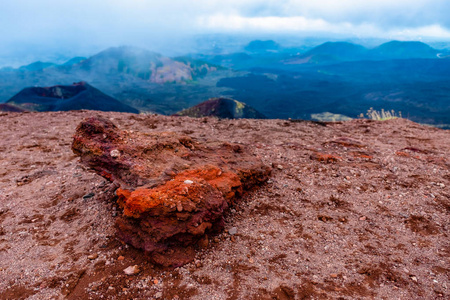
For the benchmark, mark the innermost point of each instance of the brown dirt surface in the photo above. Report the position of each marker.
(352, 210)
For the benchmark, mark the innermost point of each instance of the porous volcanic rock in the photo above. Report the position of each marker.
(173, 190)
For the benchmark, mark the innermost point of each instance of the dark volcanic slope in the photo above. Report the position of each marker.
(337, 51)
(63, 98)
(403, 50)
(224, 108)
(353, 210)
(10, 108)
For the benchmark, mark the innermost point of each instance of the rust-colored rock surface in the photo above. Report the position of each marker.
(173, 190)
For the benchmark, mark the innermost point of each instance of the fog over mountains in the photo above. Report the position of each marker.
(280, 82)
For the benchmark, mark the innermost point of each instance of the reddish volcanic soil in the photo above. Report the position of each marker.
(352, 210)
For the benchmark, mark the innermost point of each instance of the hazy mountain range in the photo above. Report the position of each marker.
(336, 77)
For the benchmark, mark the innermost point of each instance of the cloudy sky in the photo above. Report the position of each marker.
(81, 23)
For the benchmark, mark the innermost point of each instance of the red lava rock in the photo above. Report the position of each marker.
(173, 189)
(401, 153)
(327, 158)
(362, 155)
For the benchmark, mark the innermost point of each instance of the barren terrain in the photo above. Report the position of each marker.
(353, 210)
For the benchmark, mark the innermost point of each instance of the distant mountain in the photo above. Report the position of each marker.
(403, 50)
(129, 60)
(63, 98)
(335, 52)
(338, 51)
(257, 46)
(10, 108)
(224, 108)
(37, 66)
(145, 65)
(330, 52)
(74, 61)
(139, 63)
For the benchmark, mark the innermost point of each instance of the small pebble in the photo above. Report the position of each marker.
(156, 281)
(132, 270)
(114, 153)
(158, 295)
(280, 167)
(232, 230)
(251, 260)
(87, 196)
(93, 256)
(334, 275)
(179, 205)
(188, 182)
(121, 258)
(363, 218)
(414, 278)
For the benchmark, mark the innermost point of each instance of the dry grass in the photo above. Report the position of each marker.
(381, 115)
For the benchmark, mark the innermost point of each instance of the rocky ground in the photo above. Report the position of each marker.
(356, 209)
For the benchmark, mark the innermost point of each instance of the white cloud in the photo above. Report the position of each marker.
(115, 22)
(295, 24)
(275, 24)
(432, 31)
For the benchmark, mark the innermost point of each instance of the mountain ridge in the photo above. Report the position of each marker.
(77, 96)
